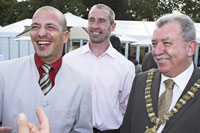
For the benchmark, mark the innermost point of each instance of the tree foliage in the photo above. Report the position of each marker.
(25, 9)
(149, 10)
(6, 11)
(74, 6)
(192, 8)
(152, 9)
(119, 7)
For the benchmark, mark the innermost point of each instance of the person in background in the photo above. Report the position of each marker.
(116, 43)
(44, 80)
(110, 72)
(167, 99)
(137, 66)
(148, 62)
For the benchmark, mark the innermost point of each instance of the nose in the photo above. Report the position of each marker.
(42, 32)
(94, 25)
(158, 49)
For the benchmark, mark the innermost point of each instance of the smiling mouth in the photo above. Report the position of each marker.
(160, 59)
(96, 33)
(43, 43)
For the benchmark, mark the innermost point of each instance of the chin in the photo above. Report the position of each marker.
(43, 55)
(164, 71)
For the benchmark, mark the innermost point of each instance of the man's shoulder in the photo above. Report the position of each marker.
(15, 62)
(14, 66)
(74, 53)
(121, 58)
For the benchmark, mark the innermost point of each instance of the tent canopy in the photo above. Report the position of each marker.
(14, 29)
(76, 26)
(128, 31)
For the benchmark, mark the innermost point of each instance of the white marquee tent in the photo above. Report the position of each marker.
(9, 47)
(137, 33)
(12, 46)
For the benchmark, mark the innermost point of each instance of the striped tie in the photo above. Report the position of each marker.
(45, 82)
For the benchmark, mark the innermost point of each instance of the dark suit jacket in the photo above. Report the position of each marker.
(148, 62)
(187, 120)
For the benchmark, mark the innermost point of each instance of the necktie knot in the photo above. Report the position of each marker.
(169, 84)
(47, 68)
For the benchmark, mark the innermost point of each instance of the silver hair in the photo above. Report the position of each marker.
(188, 30)
(105, 7)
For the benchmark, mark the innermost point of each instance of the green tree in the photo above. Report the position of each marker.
(6, 11)
(22, 10)
(152, 9)
(119, 7)
(143, 9)
(74, 6)
(192, 8)
(148, 10)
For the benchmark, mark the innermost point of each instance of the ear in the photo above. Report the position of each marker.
(191, 47)
(66, 36)
(113, 26)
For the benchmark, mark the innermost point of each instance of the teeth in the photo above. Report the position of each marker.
(162, 57)
(96, 33)
(43, 43)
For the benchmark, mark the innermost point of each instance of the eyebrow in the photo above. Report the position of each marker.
(98, 18)
(165, 39)
(102, 19)
(48, 24)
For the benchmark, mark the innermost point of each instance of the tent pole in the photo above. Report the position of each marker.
(126, 50)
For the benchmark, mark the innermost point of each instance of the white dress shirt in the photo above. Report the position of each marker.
(111, 77)
(180, 83)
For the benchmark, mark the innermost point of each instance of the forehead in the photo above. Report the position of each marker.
(46, 16)
(169, 30)
(99, 13)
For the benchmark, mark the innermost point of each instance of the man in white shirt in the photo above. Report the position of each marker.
(110, 72)
(27, 83)
(153, 105)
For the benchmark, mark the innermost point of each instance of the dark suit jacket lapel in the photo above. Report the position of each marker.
(195, 76)
(155, 90)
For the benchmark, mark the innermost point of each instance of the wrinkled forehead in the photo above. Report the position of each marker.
(46, 16)
(167, 32)
(99, 13)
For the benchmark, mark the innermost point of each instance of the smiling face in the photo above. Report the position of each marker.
(169, 50)
(99, 26)
(47, 35)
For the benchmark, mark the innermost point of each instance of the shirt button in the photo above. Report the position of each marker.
(45, 104)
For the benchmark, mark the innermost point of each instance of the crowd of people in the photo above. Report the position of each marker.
(94, 88)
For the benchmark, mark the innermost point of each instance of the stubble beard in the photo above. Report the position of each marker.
(93, 40)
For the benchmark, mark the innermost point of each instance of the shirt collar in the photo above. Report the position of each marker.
(182, 79)
(56, 65)
(110, 51)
